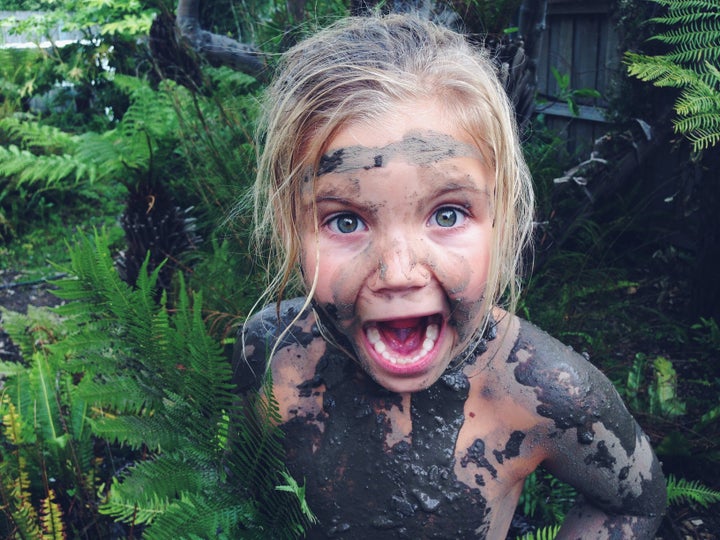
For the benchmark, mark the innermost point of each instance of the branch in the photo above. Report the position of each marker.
(216, 49)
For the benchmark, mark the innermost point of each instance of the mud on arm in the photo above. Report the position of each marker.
(594, 445)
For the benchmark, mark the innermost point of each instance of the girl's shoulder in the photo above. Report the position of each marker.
(270, 331)
(538, 358)
(568, 390)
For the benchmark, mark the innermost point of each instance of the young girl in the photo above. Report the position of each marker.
(414, 406)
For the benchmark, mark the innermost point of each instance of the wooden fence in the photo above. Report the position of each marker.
(579, 41)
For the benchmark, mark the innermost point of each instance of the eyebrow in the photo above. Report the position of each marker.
(420, 148)
(454, 186)
(458, 187)
(361, 206)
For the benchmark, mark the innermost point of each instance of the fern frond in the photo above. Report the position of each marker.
(658, 70)
(694, 54)
(689, 7)
(110, 395)
(694, 40)
(43, 171)
(698, 100)
(549, 532)
(698, 122)
(12, 425)
(202, 516)
(107, 154)
(32, 135)
(130, 511)
(702, 139)
(167, 475)
(149, 431)
(681, 490)
(47, 416)
(686, 15)
(51, 518)
(26, 520)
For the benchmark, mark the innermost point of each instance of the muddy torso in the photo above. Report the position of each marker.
(364, 482)
(381, 465)
(449, 461)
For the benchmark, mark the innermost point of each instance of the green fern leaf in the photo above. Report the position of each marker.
(693, 36)
(681, 490)
(549, 532)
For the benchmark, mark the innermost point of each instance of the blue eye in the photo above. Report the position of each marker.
(447, 216)
(346, 224)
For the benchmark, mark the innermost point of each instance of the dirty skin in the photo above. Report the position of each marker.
(368, 476)
(568, 396)
(424, 148)
(361, 484)
(358, 483)
(592, 423)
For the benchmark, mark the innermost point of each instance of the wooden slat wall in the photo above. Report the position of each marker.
(579, 40)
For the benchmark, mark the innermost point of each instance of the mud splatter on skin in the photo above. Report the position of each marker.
(572, 398)
(247, 372)
(476, 454)
(512, 448)
(367, 481)
(360, 486)
(602, 458)
(424, 148)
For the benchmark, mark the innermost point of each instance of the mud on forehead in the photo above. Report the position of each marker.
(421, 148)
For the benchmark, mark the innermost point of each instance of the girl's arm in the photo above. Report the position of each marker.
(593, 443)
(622, 491)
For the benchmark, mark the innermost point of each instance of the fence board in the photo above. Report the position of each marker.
(580, 41)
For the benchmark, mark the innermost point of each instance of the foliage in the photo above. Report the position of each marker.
(548, 532)
(545, 498)
(41, 162)
(571, 96)
(113, 366)
(680, 490)
(662, 396)
(693, 35)
(17, 68)
(130, 19)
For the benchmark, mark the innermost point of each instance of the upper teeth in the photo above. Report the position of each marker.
(431, 334)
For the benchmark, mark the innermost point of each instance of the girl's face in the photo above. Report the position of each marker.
(405, 222)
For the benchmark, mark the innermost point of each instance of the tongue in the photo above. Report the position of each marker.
(404, 335)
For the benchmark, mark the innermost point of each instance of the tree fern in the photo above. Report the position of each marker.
(693, 37)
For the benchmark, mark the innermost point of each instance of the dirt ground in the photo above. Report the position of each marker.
(682, 522)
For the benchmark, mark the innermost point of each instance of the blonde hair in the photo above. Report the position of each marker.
(357, 70)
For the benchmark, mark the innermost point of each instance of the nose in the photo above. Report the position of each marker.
(401, 266)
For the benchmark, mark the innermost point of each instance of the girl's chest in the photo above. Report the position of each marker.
(405, 467)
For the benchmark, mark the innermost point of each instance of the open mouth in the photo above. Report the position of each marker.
(404, 341)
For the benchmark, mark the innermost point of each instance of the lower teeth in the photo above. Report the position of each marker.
(431, 333)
